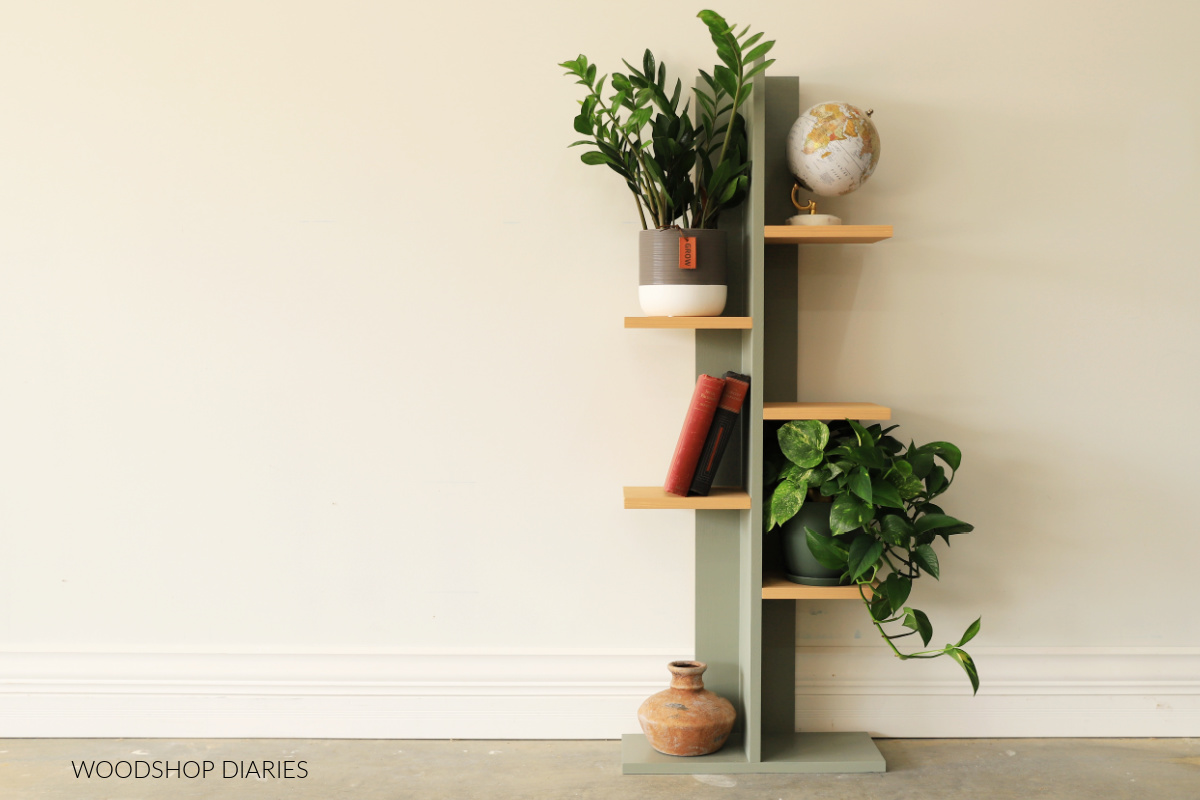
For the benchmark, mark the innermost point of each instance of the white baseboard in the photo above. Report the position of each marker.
(1072, 691)
(580, 695)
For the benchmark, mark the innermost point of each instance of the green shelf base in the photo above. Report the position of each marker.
(782, 753)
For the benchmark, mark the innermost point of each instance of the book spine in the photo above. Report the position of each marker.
(691, 439)
(724, 420)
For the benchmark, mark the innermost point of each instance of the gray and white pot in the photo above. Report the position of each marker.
(668, 290)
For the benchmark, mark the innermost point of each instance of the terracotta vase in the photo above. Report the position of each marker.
(687, 719)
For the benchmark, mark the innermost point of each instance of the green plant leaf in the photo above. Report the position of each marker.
(896, 530)
(926, 559)
(595, 159)
(726, 79)
(931, 522)
(747, 43)
(970, 633)
(968, 665)
(864, 553)
(885, 494)
(864, 436)
(803, 441)
(786, 500)
(583, 124)
(935, 481)
(868, 456)
(945, 451)
(849, 513)
(758, 52)
(897, 588)
(860, 484)
(757, 68)
(825, 549)
(916, 620)
(648, 64)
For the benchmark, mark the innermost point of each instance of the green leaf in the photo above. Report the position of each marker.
(935, 482)
(726, 79)
(916, 620)
(864, 436)
(825, 549)
(583, 124)
(786, 500)
(747, 43)
(648, 64)
(926, 559)
(931, 522)
(860, 484)
(897, 587)
(758, 52)
(803, 441)
(921, 463)
(757, 68)
(595, 159)
(968, 665)
(896, 530)
(945, 451)
(884, 494)
(864, 553)
(868, 456)
(849, 513)
(970, 634)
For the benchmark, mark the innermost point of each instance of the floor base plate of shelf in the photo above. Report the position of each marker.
(782, 753)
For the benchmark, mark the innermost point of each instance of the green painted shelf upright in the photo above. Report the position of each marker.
(749, 642)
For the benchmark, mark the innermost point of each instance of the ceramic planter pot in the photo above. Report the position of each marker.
(800, 564)
(687, 719)
(668, 290)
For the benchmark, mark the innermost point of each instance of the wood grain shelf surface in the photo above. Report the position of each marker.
(826, 234)
(721, 497)
(777, 587)
(691, 323)
(857, 411)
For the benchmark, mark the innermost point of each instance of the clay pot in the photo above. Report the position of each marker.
(687, 719)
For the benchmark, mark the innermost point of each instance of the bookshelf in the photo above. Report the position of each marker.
(745, 611)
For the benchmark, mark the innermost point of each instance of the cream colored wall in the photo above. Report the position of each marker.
(310, 327)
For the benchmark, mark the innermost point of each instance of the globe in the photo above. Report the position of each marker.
(833, 148)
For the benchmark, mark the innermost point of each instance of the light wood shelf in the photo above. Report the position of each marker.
(777, 587)
(721, 497)
(826, 234)
(691, 323)
(857, 411)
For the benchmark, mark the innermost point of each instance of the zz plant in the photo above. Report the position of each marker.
(675, 170)
(883, 517)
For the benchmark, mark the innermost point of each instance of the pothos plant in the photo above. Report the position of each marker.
(676, 170)
(883, 518)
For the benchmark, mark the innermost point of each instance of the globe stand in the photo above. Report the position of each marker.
(812, 217)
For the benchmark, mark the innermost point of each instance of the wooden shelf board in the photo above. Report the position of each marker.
(826, 234)
(721, 497)
(777, 587)
(869, 411)
(692, 323)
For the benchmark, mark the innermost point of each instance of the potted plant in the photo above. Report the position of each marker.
(859, 504)
(682, 174)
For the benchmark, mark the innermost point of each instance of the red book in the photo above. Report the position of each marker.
(691, 439)
(724, 421)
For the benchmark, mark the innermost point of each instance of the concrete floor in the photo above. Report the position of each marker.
(918, 769)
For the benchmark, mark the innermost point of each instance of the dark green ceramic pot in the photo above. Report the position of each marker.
(798, 560)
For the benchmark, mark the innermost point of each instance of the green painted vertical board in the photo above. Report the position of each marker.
(752, 358)
(781, 321)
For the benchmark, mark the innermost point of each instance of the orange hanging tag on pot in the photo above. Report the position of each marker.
(687, 252)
